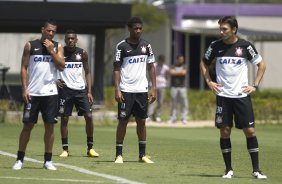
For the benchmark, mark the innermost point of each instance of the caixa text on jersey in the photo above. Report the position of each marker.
(42, 59)
(137, 60)
(230, 61)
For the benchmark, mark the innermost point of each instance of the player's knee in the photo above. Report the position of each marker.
(88, 116)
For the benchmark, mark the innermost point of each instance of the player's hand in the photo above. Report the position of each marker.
(152, 97)
(118, 96)
(59, 83)
(90, 98)
(49, 45)
(26, 96)
(248, 89)
(215, 87)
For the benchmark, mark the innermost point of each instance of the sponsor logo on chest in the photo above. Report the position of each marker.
(136, 60)
(234, 61)
(72, 65)
(42, 59)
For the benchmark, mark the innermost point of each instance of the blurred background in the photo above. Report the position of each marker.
(171, 26)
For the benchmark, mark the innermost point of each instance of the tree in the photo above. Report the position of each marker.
(152, 16)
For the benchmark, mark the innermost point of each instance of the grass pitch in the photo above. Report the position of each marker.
(181, 155)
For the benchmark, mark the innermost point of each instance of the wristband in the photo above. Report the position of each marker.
(255, 86)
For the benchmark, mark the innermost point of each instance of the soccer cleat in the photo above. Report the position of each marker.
(49, 165)
(92, 153)
(258, 175)
(145, 159)
(64, 154)
(228, 174)
(119, 159)
(18, 165)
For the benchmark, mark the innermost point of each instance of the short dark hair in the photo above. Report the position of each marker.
(231, 20)
(50, 21)
(134, 20)
(70, 31)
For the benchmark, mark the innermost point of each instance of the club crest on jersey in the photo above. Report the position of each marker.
(218, 119)
(143, 49)
(78, 57)
(239, 51)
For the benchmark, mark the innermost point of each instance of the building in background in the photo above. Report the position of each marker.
(191, 27)
(194, 26)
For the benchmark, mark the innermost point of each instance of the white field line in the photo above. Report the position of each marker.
(50, 179)
(78, 169)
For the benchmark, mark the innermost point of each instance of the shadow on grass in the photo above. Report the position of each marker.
(211, 176)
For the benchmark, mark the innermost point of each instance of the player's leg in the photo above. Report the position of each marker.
(226, 148)
(64, 136)
(28, 125)
(140, 112)
(49, 115)
(89, 129)
(68, 107)
(123, 118)
(23, 141)
(244, 119)
(224, 121)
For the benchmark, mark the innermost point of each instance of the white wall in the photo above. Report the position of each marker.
(270, 51)
(11, 49)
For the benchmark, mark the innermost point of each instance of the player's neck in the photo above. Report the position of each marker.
(231, 40)
(71, 49)
(133, 40)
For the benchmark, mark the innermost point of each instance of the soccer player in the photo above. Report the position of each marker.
(132, 58)
(40, 61)
(72, 91)
(233, 90)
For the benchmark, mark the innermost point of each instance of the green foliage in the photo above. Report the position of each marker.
(266, 104)
(4, 107)
(201, 105)
(152, 16)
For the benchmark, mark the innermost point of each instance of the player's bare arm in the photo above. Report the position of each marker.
(260, 72)
(24, 66)
(212, 85)
(152, 75)
(118, 95)
(87, 76)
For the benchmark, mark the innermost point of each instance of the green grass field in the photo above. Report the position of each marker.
(181, 155)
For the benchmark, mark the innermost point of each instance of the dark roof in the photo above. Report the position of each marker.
(242, 32)
(83, 17)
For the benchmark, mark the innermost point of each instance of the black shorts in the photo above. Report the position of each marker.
(69, 98)
(47, 105)
(239, 108)
(135, 104)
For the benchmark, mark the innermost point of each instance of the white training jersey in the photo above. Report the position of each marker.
(232, 65)
(41, 70)
(132, 60)
(73, 72)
